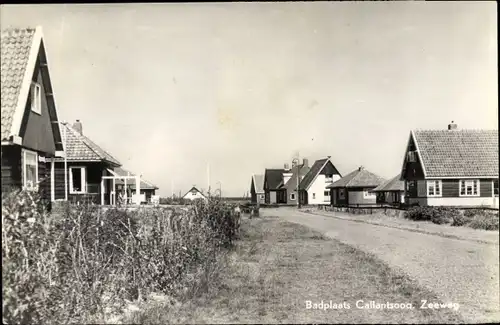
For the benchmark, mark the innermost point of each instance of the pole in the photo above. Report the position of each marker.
(298, 182)
(65, 165)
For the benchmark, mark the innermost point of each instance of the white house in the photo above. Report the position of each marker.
(312, 188)
(194, 194)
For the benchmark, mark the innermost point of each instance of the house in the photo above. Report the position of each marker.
(257, 189)
(355, 188)
(29, 125)
(273, 192)
(312, 189)
(290, 181)
(451, 167)
(128, 187)
(194, 194)
(88, 175)
(391, 191)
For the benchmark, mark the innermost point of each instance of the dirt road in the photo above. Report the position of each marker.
(457, 271)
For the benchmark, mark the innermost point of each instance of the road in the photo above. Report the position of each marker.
(457, 271)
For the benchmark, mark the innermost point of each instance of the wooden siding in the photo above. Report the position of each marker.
(11, 167)
(450, 188)
(413, 170)
(329, 169)
(93, 171)
(356, 196)
(36, 130)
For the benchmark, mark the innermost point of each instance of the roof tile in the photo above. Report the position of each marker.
(458, 153)
(15, 50)
(358, 178)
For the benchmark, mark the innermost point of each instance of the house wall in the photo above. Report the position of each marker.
(463, 201)
(94, 173)
(335, 196)
(253, 194)
(413, 170)
(12, 171)
(11, 167)
(356, 196)
(36, 130)
(450, 188)
(316, 191)
(273, 198)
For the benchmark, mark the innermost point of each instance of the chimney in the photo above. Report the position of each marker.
(287, 167)
(78, 126)
(361, 168)
(452, 126)
(305, 162)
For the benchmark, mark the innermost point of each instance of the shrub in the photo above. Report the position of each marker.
(461, 219)
(418, 213)
(444, 215)
(485, 221)
(75, 266)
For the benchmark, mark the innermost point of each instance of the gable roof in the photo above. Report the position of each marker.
(313, 173)
(394, 184)
(20, 50)
(274, 177)
(358, 178)
(195, 189)
(457, 153)
(81, 148)
(144, 184)
(258, 182)
(303, 170)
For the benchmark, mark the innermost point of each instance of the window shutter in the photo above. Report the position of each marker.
(421, 189)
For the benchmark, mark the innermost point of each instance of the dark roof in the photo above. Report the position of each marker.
(258, 182)
(80, 147)
(394, 184)
(15, 53)
(358, 178)
(293, 180)
(458, 153)
(315, 169)
(274, 177)
(144, 184)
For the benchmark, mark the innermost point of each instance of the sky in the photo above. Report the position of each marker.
(191, 94)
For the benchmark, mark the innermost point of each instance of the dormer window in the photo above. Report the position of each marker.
(36, 98)
(412, 156)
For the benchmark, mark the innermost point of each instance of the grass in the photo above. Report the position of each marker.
(277, 266)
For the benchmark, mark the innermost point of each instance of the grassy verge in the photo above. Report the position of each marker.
(278, 266)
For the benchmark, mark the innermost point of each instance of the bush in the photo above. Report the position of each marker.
(82, 264)
(485, 220)
(461, 220)
(438, 215)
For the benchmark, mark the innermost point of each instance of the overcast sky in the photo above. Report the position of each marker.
(169, 88)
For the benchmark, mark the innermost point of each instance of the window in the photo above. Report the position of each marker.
(30, 170)
(434, 188)
(369, 195)
(469, 187)
(328, 178)
(314, 195)
(412, 156)
(326, 193)
(36, 98)
(341, 193)
(292, 196)
(495, 187)
(77, 180)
